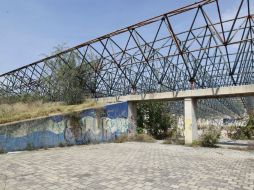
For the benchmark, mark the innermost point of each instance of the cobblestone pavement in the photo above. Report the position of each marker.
(128, 166)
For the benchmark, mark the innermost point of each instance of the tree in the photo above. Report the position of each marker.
(152, 117)
(72, 79)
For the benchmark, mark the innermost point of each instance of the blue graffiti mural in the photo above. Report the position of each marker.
(117, 110)
(88, 126)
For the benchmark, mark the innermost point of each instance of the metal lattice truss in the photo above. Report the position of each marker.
(196, 46)
(212, 108)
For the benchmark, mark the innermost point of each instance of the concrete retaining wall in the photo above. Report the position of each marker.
(88, 126)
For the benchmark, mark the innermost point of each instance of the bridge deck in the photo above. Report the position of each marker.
(231, 91)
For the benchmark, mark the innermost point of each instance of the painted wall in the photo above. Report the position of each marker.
(89, 126)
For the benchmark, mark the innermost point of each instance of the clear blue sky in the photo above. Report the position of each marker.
(29, 29)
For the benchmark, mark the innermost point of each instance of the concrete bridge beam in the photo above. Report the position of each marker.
(220, 92)
(190, 120)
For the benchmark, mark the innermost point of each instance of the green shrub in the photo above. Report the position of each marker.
(209, 138)
(195, 143)
(1, 150)
(139, 130)
(153, 117)
(61, 144)
(242, 132)
(30, 146)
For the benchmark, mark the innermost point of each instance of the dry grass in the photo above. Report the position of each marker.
(142, 138)
(174, 141)
(136, 137)
(23, 111)
(121, 139)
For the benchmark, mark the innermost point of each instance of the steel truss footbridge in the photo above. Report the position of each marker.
(198, 46)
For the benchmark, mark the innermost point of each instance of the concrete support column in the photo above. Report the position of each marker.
(190, 120)
(132, 116)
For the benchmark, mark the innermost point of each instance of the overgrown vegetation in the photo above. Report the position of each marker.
(196, 143)
(242, 132)
(27, 110)
(174, 136)
(137, 137)
(30, 147)
(71, 81)
(2, 150)
(25, 98)
(209, 138)
(72, 77)
(153, 118)
(61, 144)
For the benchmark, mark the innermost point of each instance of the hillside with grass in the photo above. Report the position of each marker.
(28, 110)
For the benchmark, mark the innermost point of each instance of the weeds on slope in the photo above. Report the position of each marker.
(27, 110)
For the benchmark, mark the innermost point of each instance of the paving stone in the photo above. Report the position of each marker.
(128, 166)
